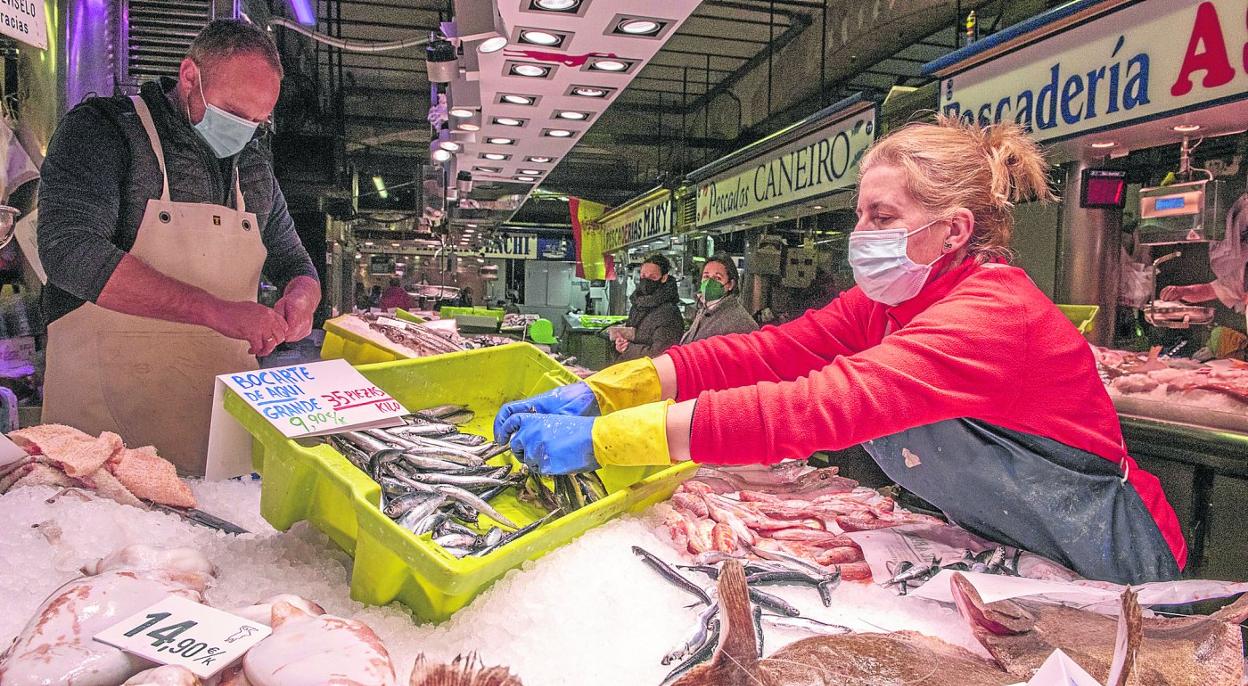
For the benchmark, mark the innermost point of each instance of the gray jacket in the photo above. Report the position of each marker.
(729, 316)
(100, 172)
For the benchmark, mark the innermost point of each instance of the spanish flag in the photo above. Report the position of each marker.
(590, 262)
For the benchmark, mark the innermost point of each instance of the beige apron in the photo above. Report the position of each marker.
(151, 381)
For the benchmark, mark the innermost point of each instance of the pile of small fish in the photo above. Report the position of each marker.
(789, 508)
(436, 480)
(776, 569)
(907, 575)
(423, 340)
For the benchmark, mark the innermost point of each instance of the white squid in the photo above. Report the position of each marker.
(309, 649)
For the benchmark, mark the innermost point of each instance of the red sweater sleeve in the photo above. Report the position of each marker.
(961, 357)
(774, 353)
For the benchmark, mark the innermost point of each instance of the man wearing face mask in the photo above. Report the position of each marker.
(158, 214)
(719, 308)
(964, 383)
(655, 316)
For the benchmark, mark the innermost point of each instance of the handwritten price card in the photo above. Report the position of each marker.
(316, 399)
(176, 631)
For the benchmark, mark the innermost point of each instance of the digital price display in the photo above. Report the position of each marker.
(1174, 202)
(1103, 188)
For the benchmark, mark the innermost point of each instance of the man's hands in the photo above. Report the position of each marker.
(621, 345)
(297, 306)
(260, 326)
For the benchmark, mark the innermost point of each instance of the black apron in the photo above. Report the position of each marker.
(1033, 493)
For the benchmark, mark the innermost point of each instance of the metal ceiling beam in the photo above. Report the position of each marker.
(701, 53)
(650, 140)
(747, 7)
(800, 23)
(698, 67)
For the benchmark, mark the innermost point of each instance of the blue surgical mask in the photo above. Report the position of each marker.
(883, 269)
(225, 133)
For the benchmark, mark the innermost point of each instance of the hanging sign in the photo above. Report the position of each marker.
(177, 631)
(508, 246)
(814, 165)
(1144, 61)
(25, 21)
(315, 399)
(642, 223)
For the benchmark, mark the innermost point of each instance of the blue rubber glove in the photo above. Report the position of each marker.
(552, 443)
(574, 399)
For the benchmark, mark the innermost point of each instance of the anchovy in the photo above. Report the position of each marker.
(450, 448)
(667, 572)
(493, 450)
(455, 541)
(378, 460)
(364, 442)
(778, 556)
(428, 524)
(425, 429)
(492, 539)
(453, 527)
(475, 502)
(457, 456)
(389, 438)
(440, 411)
(814, 626)
(703, 654)
(460, 418)
(699, 635)
(458, 552)
(773, 603)
(596, 485)
(461, 481)
(416, 515)
(469, 440)
(462, 512)
(431, 463)
(756, 615)
(518, 533)
(400, 506)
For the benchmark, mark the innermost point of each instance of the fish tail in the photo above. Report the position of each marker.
(738, 645)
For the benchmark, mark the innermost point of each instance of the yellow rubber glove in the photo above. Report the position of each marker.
(633, 437)
(624, 385)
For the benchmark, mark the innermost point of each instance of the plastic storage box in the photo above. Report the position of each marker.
(308, 480)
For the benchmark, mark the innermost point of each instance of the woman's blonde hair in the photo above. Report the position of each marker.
(952, 164)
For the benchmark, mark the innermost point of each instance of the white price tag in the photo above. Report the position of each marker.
(176, 631)
(396, 323)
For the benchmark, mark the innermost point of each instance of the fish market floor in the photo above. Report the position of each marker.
(590, 612)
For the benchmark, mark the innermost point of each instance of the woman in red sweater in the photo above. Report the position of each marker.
(942, 353)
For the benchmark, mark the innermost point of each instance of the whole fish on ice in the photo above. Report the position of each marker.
(308, 649)
(56, 647)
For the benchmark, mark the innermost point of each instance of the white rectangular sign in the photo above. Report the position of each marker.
(25, 21)
(177, 631)
(1144, 61)
(640, 224)
(315, 399)
(814, 165)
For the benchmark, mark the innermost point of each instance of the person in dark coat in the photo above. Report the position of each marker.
(655, 317)
(719, 306)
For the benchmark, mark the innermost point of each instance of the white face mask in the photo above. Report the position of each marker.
(883, 269)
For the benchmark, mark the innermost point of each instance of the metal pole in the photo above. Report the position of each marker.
(684, 133)
(706, 109)
(1088, 246)
(957, 25)
(823, 56)
(771, 37)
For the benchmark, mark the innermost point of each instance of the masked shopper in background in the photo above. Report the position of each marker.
(655, 315)
(719, 306)
(960, 378)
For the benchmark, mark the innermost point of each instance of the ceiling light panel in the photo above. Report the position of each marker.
(595, 92)
(610, 65)
(572, 115)
(549, 38)
(518, 99)
(575, 8)
(638, 26)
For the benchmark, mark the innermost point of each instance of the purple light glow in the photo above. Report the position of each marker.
(304, 14)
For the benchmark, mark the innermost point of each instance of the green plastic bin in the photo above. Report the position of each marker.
(1081, 316)
(542, 331)
(308, 480)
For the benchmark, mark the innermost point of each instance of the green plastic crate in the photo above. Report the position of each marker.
(305, 480)
(450, 311)
(600, 321)
(1081, 316)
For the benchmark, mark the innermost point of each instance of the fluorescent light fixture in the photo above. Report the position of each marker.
(640, 27)
(1104, 144)
(530, 70)
(380, 184)
(304, 14)
(493, 44)
(540, 38)
(461, 112)
(573, 116)
(518, 99)
(1186, 128)
(498, 140)
(608, 65)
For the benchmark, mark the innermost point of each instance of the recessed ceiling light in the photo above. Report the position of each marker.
(574, 116)
(471, 226)
(488, 170)
(518, 99)
(558, 133)
(368, 244)
(531, 172)
(539, 159)
(530, 70)
(1186, 128)
(452, 146)
(526, 178)
(468, 126)
(776, 216)
(493, 44)
(461, 112)
(609, 65)
(441, 155)
(557, 5)
(816, 207)
(496, 156)
(640, 27)
(508, 121)
(500, 141)
(587, 92)
(395, 245)
(540, 38)
(1104, 144)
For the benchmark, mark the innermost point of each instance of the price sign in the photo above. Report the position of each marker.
(316, 399)
(176, 631)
